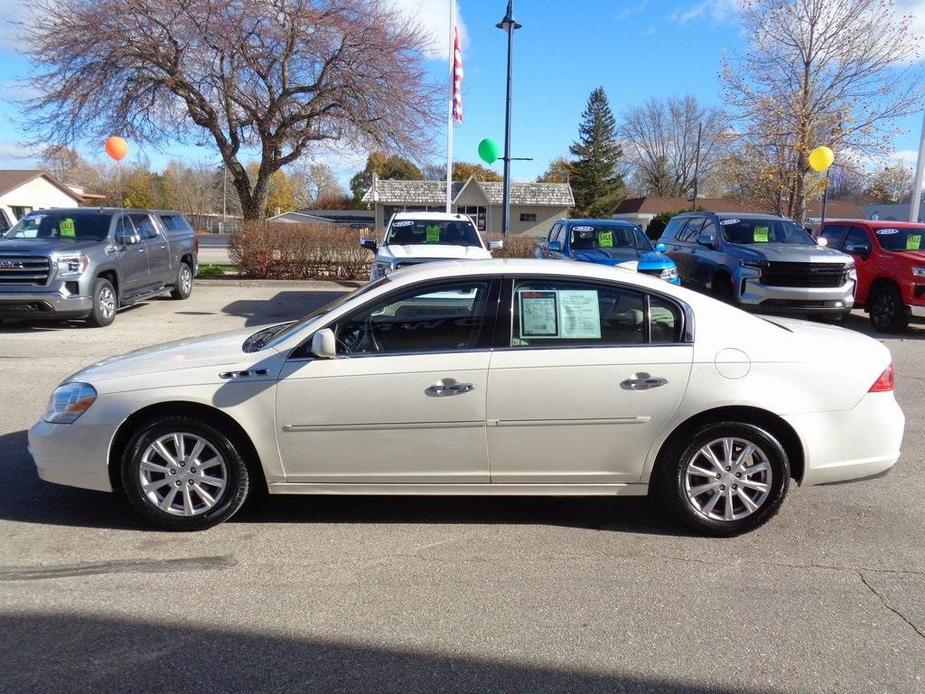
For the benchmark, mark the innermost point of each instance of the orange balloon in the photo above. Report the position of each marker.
(117, 148)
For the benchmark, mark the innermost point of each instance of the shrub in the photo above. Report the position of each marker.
(299, 251)
(516, 247)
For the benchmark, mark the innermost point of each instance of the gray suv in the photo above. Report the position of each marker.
(760, 261)
(89, 262)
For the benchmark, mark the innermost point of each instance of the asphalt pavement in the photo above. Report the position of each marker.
(389, 594)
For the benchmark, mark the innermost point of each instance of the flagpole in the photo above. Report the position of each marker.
(449, 110)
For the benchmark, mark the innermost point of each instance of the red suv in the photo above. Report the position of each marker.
(890, 261)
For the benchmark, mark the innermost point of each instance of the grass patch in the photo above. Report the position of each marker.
(212, 271)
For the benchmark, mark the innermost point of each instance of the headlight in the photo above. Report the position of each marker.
(918, 271)
(73, 265)
(669, 273)
(68, 402)
(752, 265)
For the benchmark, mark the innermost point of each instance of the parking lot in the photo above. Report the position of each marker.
(392, 594)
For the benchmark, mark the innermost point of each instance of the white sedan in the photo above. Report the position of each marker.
(502, 377)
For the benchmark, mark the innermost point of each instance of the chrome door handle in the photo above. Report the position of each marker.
(643, 381)
(448, 386)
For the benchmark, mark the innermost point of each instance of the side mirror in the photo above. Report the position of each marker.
(822, 241)
(495, 245)
(323, 344)
(661, 247)
(127, 239)
(369, 244)
(705, 240)
(861, 249)
(555, 246)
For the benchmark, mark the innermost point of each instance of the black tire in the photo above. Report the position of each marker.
(184, 286)
(722, 289)
(105, 304)
(671, 480)
(886, 309)
(227, 500)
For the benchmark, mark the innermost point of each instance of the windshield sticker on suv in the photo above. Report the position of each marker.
(724, 222)
(403, 223)
(66, 229)
(432, 233)
(583, 228)
(605, 238)
(914, 242)
(762, 234)
(884, 232)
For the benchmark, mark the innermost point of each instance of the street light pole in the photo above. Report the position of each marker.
(509, 25)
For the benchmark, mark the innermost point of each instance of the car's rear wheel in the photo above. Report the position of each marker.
(184, 286)
(105, 304)
(730, 478)
(886, 309)
(183, 474)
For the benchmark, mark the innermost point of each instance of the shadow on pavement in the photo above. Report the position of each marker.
(27, 499)
(65, 652)
(285, 306)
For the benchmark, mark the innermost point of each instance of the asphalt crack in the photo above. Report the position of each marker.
(148, 566)
(888, 606)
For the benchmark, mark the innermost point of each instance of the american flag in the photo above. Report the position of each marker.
(457, 77)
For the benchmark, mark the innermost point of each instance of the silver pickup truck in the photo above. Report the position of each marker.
(89, 262)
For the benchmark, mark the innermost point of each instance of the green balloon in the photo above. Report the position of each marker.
(489, 150)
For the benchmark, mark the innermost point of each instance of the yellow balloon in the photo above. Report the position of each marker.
(821, 158)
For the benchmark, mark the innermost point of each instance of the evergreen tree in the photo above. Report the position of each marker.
(596, 181)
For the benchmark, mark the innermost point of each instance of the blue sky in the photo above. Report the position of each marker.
(634, 49)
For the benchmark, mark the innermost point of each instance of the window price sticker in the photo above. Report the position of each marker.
(66, 228)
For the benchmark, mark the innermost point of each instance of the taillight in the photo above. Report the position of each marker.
(885, 382)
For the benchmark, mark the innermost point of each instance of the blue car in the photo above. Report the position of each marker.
(607, 242)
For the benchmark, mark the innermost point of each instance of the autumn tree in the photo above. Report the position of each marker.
(558, 171)
(597, 183)
(818, 72)
(660, 140)
(891, 184)
(275, 77)
(317, 185)
(384, 166)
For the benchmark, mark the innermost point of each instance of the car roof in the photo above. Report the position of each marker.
(600, 222)
(90, 210)
(434, 216)
(885, 223)
(522, 266)
(734, 215)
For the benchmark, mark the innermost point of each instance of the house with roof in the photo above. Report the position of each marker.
(534, 206)
(349, 219)
(25, 190)
(642, 210)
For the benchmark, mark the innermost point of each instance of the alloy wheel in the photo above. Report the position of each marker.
(107, 303)
(728, 479)
(186, 278)
(182, 474)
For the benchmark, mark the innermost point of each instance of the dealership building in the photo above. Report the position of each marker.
(534, 206)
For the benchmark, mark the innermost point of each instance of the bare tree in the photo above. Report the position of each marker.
(660, 141)
(264, 77)
(819, 72)
(891, 184)
(316, 182)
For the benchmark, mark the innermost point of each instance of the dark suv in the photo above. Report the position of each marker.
(760, 261)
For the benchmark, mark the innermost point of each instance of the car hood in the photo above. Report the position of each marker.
(433, 251)
(788, 252)
(191, 354)
(607, 256)
(912, 256)
(43, 246)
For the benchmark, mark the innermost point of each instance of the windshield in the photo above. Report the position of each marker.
(429, 231)
(275, 334)
(61, 226)
(758, 231)
(905, 239)
(590, 236)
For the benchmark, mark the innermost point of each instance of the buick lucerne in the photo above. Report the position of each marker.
(500, 377)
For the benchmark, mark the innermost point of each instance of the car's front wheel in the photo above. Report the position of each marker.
(183, 474)
(728, 479)
(105, 304)
(887, 312)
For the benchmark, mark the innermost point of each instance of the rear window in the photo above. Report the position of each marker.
(62, 226)
(175, 222)
(905, 239)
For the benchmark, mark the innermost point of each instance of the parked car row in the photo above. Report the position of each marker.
(90, 262)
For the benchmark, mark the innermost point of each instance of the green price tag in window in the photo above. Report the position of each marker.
(432, 232)
(914, 242)
(66, 229)
(762, 234)
(605, 239)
